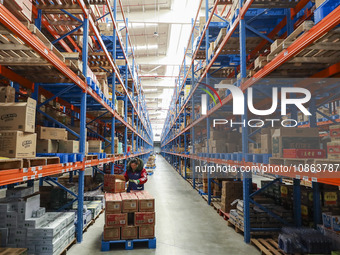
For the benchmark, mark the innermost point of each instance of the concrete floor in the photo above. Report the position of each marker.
(185, 224)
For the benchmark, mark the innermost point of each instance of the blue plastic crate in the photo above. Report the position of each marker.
(258, 158)
(239, 156)
(326, 8)
(266, 157)
(249, 157)
(234, 156)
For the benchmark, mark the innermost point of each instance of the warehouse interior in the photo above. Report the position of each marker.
(169, 127)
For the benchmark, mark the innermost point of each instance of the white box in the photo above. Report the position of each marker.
(19, 192)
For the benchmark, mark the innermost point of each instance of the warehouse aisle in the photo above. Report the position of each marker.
(184, 222)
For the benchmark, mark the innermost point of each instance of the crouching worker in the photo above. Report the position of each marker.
(135, 175)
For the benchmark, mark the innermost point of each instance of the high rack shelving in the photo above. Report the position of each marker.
(245, 33)
(60, 55)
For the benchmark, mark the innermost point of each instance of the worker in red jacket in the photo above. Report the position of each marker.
(135, 174)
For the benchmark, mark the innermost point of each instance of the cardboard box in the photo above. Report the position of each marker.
(294, 138)
(129, 202)
(330, 198)
(113, 185)
(18, 116)
(7, 94)
(52, 133)
(47, 146)
(95, 146)
(334, 131)
(266, 144)
(17, 144)
(336, 223)
(304, 153)
(68, 146)
(130, 232)
(145, 218)
(333, 150)
(146, 203)
(146, 231)
(116, 219)
(113, 203)
(70, 136)
(111, 233)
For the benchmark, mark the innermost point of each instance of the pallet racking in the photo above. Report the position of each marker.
(60, 56)
(244, 34)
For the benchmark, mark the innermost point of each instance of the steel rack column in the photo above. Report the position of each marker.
(193, 105)
(114, 55)
(82, 138)
(247, 181)
(133, 109)
(290, 23)
(185, 145)
(315, 185)
(297, 202)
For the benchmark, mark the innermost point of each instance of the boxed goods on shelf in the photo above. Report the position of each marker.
(68, 146)
(288, 138)
(17, 144)
(333, 150)
(7, 94)
(95, 146)
(304, 153)
(120, 108)
(47, 146)
(334, 132)
(18, 116)
(46, 133)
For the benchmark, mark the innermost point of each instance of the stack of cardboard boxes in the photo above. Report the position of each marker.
(129, 216)
(231, 190)
(116, 146)
(151, 161)
(224, 142)
(24, 224)
(120, 108)
(17, 125)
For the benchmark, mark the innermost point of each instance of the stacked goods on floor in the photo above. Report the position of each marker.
(151, 163)
(17, 129)
(231, 191)
(187, 169)
(24, 224)
(304, 240)
(129, 216)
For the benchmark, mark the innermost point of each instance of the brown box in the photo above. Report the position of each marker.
(95, 146)
(18, 116)
(294, 138)
(52, 133)
(266, 144)
(146, 231)
(146, 202)
(116, 219)
(113, 203)
(17, 144)
(130, 202)
(111, 233)
(68, 146)
(113, 185)
(7, 94)
(129, 232)
(47, 146)
(70, 136)
(144, 218)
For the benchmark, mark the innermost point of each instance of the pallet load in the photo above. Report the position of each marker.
(49, 138)
(333, 147)
(128, 216)
(24, 224)
(151, 162)
(231, 190)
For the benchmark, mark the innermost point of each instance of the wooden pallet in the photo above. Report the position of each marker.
(64, 252)
(88, 225)
(95, 218)
(32, 162)
(216, 205)
(240, 229)
(213, 199)
(13, 251)
(225, 215)
(267, 246)
(13, 163)
(91, 157)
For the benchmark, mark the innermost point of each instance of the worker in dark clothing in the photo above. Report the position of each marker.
(135, 174)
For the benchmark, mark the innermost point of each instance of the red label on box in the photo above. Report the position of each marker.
(334, 131)
(304, 153)
(144, 218)
(117, 220)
